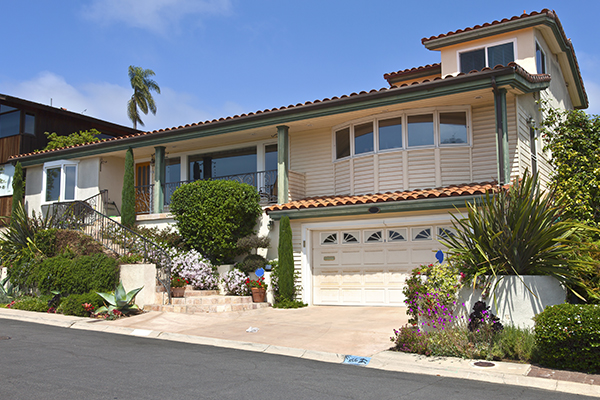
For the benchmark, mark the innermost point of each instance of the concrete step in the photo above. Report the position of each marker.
(203, 301)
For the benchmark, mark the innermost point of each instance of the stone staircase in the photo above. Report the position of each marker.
(204, 301)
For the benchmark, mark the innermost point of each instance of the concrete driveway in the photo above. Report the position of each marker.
(358, 331)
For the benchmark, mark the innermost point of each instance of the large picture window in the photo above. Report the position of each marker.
(489, 56)
(437, 128)
(60, 181)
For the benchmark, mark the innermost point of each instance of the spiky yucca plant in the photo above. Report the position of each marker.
(520, 230)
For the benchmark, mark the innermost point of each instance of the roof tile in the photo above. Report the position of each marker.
(408, 195)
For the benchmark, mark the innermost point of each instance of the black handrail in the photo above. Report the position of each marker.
(79, 215)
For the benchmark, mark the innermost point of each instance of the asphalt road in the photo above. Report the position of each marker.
(47, 362)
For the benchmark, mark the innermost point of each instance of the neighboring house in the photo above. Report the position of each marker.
(22, 127)
(368, 179)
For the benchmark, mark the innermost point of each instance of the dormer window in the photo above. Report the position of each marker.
(488, 56)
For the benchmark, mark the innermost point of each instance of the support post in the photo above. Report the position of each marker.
(159, 179)
(282, 163)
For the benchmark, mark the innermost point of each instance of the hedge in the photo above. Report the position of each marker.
(568, 337)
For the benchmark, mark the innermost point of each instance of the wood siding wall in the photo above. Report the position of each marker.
(297, 185)
(5, 207)
(9, 146)
(311, 154)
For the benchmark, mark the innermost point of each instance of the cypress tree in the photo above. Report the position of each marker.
(128, 195)
(18, 187)
(286, 260)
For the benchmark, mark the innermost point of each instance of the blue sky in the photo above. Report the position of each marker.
(215, 58)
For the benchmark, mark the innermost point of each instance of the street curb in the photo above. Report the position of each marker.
(514, 374)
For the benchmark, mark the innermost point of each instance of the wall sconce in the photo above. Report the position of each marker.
(102, 161)
(152, 160)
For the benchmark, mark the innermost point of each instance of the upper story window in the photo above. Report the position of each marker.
(60, 181)
(540, 59)
(10, 119)
(488, 56)
(405, 131)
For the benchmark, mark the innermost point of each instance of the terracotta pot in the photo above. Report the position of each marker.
(177, 291)
(258, 295)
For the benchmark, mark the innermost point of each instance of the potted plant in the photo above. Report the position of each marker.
(258, 288)
(178, 286)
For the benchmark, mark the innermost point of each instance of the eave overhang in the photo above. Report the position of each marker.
(445, 203)
(511, 76)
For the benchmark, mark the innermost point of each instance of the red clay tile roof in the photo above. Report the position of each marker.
(410, 71)
(332, 201)
(512, 66)
(549, 13)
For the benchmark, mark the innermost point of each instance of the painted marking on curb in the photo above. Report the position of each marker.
(141, 332)
(356, 360)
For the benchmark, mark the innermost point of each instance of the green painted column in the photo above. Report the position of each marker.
(159, 179)
(502, 136)
(283, 163)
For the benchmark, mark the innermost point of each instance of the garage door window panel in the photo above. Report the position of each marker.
(329, 238)
(419, 234)
(397, 235)
(350, 237)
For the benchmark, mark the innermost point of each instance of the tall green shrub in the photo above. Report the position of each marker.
(286, 259)
(128, 196)
(18, 187)
(213, 215)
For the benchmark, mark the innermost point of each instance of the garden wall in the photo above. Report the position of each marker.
(516, 300)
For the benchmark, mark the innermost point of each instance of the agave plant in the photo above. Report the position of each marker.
(521, 230)
(119, 300)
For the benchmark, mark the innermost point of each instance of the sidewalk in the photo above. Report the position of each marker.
(325, 334)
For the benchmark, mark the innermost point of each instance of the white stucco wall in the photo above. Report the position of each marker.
(110, 177)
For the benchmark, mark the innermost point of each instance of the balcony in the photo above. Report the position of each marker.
(265, 183)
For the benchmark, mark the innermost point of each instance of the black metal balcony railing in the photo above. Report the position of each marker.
(264, 181)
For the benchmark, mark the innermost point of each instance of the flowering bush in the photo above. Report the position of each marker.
(431, 292)
(234, 282)
(191, 266)
(259, 283)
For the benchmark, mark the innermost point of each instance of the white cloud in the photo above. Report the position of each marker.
(108, 101)
(158, 16)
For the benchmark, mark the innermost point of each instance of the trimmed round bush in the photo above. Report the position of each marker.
(213, 215)
(568, 337)
(251, 263)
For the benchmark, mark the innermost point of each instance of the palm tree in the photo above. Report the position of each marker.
(141, 98)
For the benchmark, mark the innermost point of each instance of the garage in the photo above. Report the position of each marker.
(369, 266)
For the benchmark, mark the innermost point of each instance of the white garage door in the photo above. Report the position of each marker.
(370, 266)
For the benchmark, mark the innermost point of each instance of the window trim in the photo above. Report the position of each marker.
(404, 120)
(485, 47)
(63, 181)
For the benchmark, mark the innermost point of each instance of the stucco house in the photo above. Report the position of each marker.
(368, 179)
